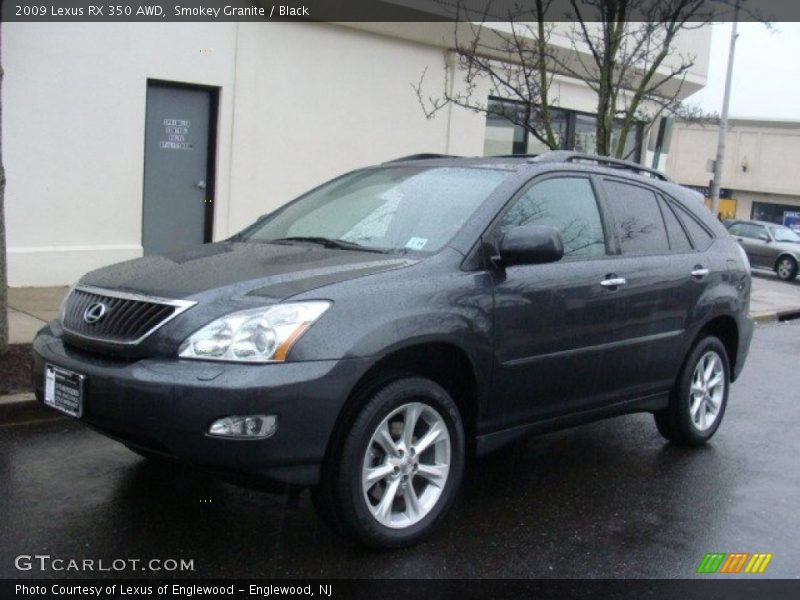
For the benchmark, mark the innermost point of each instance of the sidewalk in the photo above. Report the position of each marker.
(772, 299)
(29, 309)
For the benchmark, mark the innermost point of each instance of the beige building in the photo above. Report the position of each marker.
(124, 139)
(760, 173)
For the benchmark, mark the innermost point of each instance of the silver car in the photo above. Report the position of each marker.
(768, 246)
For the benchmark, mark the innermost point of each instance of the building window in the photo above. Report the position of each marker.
(572, 130)
(774, 213)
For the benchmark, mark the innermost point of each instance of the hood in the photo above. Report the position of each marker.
(269, 270)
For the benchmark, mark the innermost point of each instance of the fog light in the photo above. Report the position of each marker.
(245, 426)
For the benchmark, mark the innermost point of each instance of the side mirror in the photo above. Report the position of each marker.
(531, 245)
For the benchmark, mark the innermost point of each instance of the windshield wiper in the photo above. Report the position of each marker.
(329, 243)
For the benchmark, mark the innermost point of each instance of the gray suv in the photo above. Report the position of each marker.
(768, 246)
(366, 338)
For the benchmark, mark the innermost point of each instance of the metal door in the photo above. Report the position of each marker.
(177, 201)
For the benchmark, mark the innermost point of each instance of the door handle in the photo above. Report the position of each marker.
(613, 282)
(700, 272)
(200, 185)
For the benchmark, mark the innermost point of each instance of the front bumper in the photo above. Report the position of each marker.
(166, 406)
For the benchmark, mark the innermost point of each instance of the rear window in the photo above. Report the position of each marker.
(637, 217)
(678, 240)
(701, 238)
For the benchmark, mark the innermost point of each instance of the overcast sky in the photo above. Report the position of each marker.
(766, 73)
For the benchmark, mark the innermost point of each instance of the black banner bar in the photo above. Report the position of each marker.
(360, 10)
(391, 589)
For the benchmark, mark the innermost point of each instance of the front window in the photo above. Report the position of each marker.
(784, 234)
(569, 205)
(392, 209)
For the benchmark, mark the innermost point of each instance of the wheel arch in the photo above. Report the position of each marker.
(726, 329)
(443, 362)
(785, 255)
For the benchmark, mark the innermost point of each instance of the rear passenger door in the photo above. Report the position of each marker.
(664, 278)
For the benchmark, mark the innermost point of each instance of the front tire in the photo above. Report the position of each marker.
(698, 400)
(399, 466)
(786, 268)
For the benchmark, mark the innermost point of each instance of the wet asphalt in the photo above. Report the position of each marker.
(610, 499)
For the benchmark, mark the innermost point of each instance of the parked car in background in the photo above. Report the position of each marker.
(364, 338)
(768, 246)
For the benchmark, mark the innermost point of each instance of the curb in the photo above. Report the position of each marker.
(16, 408)
(764, 316)
(776, 315)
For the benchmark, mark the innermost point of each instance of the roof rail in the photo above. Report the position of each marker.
(421, 156)
(606, 161)
(512, 156)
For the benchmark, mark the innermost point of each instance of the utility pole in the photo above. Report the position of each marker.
(723, 123)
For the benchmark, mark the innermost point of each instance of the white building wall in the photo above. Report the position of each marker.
(760, 165)
(73, 135)
(760, 156)
(299, 104)
(313, 101)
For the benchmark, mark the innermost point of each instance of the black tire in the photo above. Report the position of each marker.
(675, 422)
(786, 268)
(340, 498)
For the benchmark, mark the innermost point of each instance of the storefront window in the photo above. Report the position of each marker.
(572, 130)
(585, 133)
(505, 136)
(774, 213)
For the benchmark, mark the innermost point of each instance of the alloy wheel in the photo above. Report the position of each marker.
(707, 391)
(406, 465)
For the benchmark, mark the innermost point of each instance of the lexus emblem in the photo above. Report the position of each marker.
(94, 312)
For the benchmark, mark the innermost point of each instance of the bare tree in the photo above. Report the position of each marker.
(513, 62)
(3, 275)
(625, 51)
(634, 67)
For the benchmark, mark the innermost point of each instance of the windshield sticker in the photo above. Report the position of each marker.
(416, 243)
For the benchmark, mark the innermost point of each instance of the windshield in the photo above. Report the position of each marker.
(784, 234)
(390, 208)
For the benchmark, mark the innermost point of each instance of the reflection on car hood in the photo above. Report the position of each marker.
(268, 270)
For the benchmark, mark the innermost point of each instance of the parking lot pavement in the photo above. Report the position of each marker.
(610, 499)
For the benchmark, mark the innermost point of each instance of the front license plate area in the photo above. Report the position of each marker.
(63, 390)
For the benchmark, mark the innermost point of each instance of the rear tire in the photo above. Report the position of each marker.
(697, 401)
(786, 268)
(396, 472)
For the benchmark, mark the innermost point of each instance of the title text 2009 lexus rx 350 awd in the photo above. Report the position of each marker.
(364, 338)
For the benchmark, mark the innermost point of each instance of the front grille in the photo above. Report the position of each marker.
(125, 318)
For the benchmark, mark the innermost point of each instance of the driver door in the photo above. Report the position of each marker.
(556, 324)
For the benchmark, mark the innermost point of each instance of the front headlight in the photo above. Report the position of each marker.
(257, 335)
